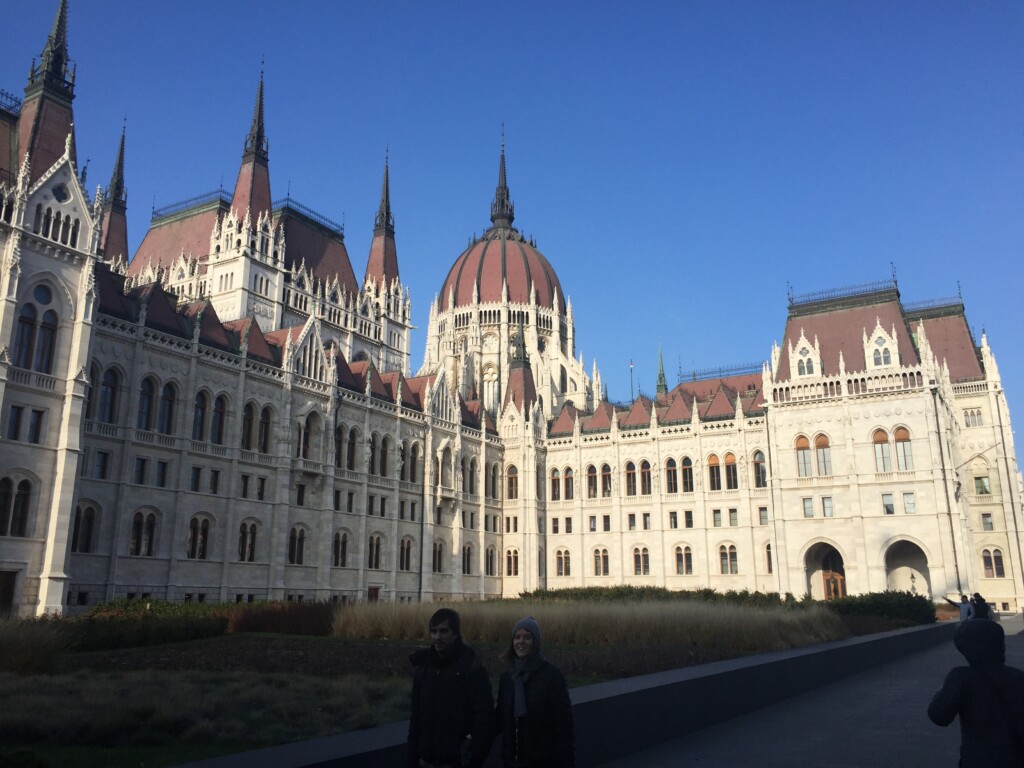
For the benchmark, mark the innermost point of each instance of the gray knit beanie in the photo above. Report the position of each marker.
(530, 625)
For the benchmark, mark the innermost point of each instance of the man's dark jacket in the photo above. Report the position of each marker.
(451, 699)
(544, 736)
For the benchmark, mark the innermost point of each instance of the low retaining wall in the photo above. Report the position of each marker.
(620, 717)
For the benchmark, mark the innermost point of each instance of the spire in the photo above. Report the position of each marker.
(117, 194)
(114, 227)
(53, 62)
(519, 357)
(502, 209)
(662, 388)
(256, 141)
(385, 221)
(382, 265)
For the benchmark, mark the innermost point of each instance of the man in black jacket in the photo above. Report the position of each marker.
(451, 722)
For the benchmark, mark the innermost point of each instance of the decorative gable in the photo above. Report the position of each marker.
(805, 357)
(881, 348)
(58, 208)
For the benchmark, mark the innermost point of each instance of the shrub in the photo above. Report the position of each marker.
(905, 607)
(283, 618)
(31, 646)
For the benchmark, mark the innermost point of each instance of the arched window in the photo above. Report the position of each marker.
(264, 435)
(144, 418)
(600, 562)
(512, 562)
(198, 545)
(467, 560)
(247, 542)
(606, 481)
(340, 550)
(883, 462)
(109, 386)
(727, 556)
(684, 561)
(562, 566)
(732, 478)
(199, 416)
(630, 479)
(556, 485)
(904, 456)
(803, 456)
(768, 558)
(82, 529)
(512, 478)
(992, 563)
(641, 561)
(350, 456)
(220, 408)
(472, 476)
(714, 473)
(495, 482)
(403, 461)
(591, 481)
(143, 535)
(14, 507)
(414, 464)
(491, 564)
(165, 416)
(25, 337)
(570, 492)
(671, 477)
(687, 475)
(405, 555)
(373, 553)
(760, 471)
(309, 427)
(297, 545)
(645, 478)
(248, 422)
(823, 453)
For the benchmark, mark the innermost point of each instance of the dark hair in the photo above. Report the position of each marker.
(446, 614)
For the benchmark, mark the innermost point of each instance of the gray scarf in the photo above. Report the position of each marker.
(520, 670)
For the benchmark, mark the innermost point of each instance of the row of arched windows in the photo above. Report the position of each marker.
(15, 501)
(51, 224)
(35, 333)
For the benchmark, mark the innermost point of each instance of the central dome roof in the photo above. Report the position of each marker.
(502, 256)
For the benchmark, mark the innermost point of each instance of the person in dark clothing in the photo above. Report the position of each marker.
(988, 696)
(451, 723)
(979, 607)
(534, 712)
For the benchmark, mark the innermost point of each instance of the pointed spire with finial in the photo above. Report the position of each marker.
(662, 387)
(382, 265)
(384, 223)
(53, 62)
(256, 141)
(117, 193)
(252, 188)
(502, 208)
(113, 237)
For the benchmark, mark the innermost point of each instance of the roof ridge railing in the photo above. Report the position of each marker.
(719, 373)
(842, 293)
(319, 218)
(192, 202)
(948, 301)
(10, 102)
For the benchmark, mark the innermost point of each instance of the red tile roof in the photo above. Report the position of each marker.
(639, 414)
(521, 390)
(565, 421)
(170, 237)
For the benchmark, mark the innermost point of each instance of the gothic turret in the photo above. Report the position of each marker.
(114, 234)
(502, 209)
(252, 190)
(662, 388)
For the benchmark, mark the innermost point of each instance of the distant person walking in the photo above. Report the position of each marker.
(964, 606)
(451, 720)
(534, 712)
(988, 696)
(979, 608)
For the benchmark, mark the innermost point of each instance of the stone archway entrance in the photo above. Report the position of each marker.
(826, 575)
(906, 569)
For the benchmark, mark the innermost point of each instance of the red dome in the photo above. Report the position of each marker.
(502, 255)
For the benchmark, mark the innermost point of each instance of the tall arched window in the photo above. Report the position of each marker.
(109, 386)
(165, 416)
(904, 456)
(248, 422)
(144, 418)
(220, 409)
(467, 560)
(265, 430)
(247, 542)
(512, 478)
(727, 556)
(472, 476)
(803, 456)
(373, 554)
(562, 565)
(714, 473)
(760, 471)
(883, 461)
(600, 562)
(199, 416)
(641, 561)
(671, 477)
(297, 545)
(143, 535)
(687, 475)
(992, 564)
(591, 481)
(405, 555)
(567, 482)
(556, 485)
(606, 481)
(824, 455)
(414, 464)
(82, 529)
(25, 337)
(495, 482)
(768, 558)
(645, 478)
(340, 550)
(198, 545)
(14, 507)
(732, 478)
(512, 562)
(350, 456)
(630, 479)
(684, 561)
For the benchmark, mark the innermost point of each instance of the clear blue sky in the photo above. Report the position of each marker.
(678, 163)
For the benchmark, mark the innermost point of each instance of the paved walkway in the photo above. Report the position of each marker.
(875, 718)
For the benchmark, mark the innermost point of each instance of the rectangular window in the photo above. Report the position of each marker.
(300, 495)
(568, 525)
(337, 500)
(909, 504)
(244, 490)
(101, 465)
(887, 504)
(826, 506)
(162, 471)
(632, 522)
(197, 479)
(508, 525)
(350, 502)
(261, 488)
(606, 520)
(808, 507)
(688, 518)
(982, 486)
(593, 523)
(384, 510)
(883, 462)
(803, 462)
(401, 510)
(716, 516)
(554, 525)
(986, 521)
(412, 511)
(35, 426)
(734, 518)
(647, 521)
(762, 514)
(370, 502)
(14, 422)
(214, 481)
(140, 471)
(673, 519)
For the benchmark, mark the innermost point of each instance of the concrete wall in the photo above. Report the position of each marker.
(621, 717)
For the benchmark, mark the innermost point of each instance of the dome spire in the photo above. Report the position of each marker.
(502, 209)
(385, 220)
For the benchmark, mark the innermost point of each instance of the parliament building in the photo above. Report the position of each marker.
(229, 415)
